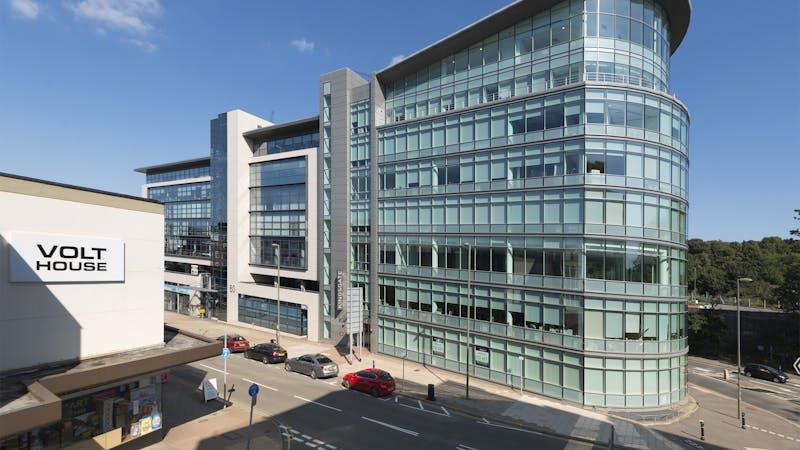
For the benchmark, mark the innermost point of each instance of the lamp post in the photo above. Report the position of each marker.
(739, 349)
(277, 247)
(469, 311)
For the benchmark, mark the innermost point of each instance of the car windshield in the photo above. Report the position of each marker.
(386, 377)
(238, 338)
(323, 360)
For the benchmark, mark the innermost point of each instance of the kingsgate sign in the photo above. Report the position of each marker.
(42, 258)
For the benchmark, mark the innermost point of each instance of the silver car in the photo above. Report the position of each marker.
(316, 366)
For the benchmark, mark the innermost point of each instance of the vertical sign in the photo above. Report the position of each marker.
(355, 310)
(339, 291)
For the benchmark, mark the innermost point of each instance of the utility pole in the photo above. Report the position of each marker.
(277, 247)
(469, 311)
(739, 349)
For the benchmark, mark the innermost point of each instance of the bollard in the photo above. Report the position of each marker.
(431, 396)
(724, 374)
(373, 363)
(702, 431)
(744, 425)
(611, 439)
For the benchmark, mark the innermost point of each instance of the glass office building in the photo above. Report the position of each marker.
(548, 146)
(511, 201)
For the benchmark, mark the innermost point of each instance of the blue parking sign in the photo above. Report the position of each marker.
(226, 352)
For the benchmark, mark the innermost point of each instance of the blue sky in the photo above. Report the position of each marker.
(90, 89)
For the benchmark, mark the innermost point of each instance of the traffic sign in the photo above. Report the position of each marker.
(253, 391)
(226, 352)
(797, 365)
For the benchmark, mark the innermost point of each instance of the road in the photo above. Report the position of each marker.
(321, 414)
(781, 399)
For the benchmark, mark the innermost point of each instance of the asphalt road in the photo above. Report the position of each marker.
(323, 415)
(781, 399)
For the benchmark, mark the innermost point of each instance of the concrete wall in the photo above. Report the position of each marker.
(47, 322)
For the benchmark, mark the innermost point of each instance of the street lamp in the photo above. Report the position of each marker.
(277, 247)
(739, 349)
(469, 311)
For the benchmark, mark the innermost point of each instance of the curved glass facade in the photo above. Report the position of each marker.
(554, 149)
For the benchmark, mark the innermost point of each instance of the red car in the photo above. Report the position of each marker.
(374, 381)
(236, 342)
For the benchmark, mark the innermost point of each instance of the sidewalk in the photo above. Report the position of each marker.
(723, 430)
(225, 429)
(495, 402)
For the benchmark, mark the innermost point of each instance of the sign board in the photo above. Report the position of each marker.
(355, 310)
(339, 291)
(226, 352)
(156, 420)
(796, 365)
(482, 356)
(437, 345)
(253, 391)
(194, 270)
(43, 258)
(210, 391)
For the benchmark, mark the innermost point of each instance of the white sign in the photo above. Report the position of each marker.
(210, 391)
(355, 310)
(194, 269)
(43, 258)
(438, 346)
(797, 365)
(482, 356)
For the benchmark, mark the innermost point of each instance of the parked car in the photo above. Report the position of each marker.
(236, 342)
(765, 373)
(374, 381)
(269, 353)
(315, 366)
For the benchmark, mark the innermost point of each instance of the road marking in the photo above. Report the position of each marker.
(317, 403)
(445, 411)
(486, 422)
(332, 383)
(298, 439)
(212, 368)
(397, 399)
(311, 444)
(420, 405)
(483, 419)
(262, 385)
(781, 435)
(332, 447)
(424, 410)
(702, 369)
(305, 436)
(318, 441)
(294, 431)
(787, 390)
(387, 399)
(402, 430)
(464, 446)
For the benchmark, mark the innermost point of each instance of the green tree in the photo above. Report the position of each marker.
(788, 293)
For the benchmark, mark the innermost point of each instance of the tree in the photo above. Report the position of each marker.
(788, 293)
(796, 232)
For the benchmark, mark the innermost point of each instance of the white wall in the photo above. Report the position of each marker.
(43, 323)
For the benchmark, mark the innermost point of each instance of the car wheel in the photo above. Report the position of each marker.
(346, 384)
(287, 368)
(314, 374)
(374, 392)
(748, 374)
(776, 380)
(265, 360)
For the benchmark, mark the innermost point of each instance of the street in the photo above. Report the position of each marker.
(780, 399)
(322, 414)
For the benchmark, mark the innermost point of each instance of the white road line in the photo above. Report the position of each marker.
(294, 431)
(305, 436)
(298, 439)
(262, 385)
(212, 368)
(332, 447)
(423, 410)
(318, 441)
(702, 369)
(397, 399)
(483, 419)
(402, 430)
(386, 399)
(311, 444)
(786, 390)
(420, 405)
(467, 447)
(445, 411)
(781, 435)
(317, 403)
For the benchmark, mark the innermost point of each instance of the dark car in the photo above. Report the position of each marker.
(765, 373)
(315, 366)
(236, 342)
(374, 381)
(270, 353)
